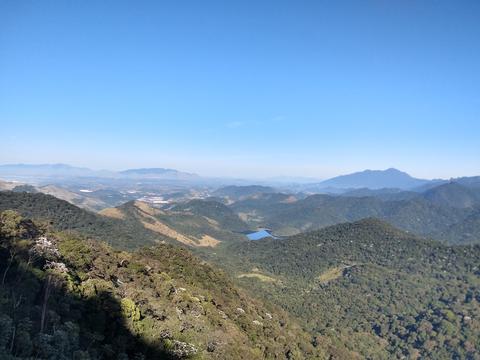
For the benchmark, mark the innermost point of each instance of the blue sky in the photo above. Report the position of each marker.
(243, 88)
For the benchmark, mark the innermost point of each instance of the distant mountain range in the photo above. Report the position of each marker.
(389, 180)
(48, 170)
(158, 173)
(19, 171)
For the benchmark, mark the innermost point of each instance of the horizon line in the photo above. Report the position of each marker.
(265, 178)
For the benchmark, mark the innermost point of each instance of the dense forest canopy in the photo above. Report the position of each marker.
(355, 290)
(68, 298)
(382, 292)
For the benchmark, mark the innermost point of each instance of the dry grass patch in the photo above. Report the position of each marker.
(207, 240)
(163, 229)
(147, 209)
(334, 273)
(260, 277)
(331, 274)
(113, 213)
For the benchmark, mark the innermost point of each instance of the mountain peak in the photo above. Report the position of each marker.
(375, 179)
(394, 170)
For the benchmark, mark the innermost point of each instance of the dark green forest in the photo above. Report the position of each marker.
(355, 290)
(61, 215)
(380, 291)
(68, 298)
(448, 212)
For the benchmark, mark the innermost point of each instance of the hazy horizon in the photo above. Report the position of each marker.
(243, 89)
(287, 177)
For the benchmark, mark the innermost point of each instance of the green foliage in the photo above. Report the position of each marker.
(130, 310)
(376, 290)
(81, 299)
(75, 252)
(415, 214)
(10, 224)
(25, 188)
(13, 225)
(361, 290)
(464, 232)
(63, 216)
(194, 219)
(224, 217)
(240, 192)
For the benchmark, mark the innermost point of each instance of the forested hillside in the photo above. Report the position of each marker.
(134, 224)
(453, 195)
(235, 193)
(439, 213)
(466, 231)
(61, 215)
(197, 223)
(380, 291)
(220, 214)
(67, 298)
(363, 289)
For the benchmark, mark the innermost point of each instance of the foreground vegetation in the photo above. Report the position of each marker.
(61, 215)
(67, 298)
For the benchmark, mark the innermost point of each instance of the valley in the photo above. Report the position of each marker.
(366, 273)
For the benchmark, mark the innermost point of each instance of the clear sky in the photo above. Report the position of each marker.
(243, 88)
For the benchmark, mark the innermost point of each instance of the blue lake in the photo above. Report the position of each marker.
(260, 234)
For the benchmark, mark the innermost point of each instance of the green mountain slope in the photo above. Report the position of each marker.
(61, 215)
(66, 298)
(466, 231)
(360, 289)
(197, 223)
(416, 215)
(380, 291)
(383, 194)
(235, 193)
(135, 223)
(453, 195)
(222, 215)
